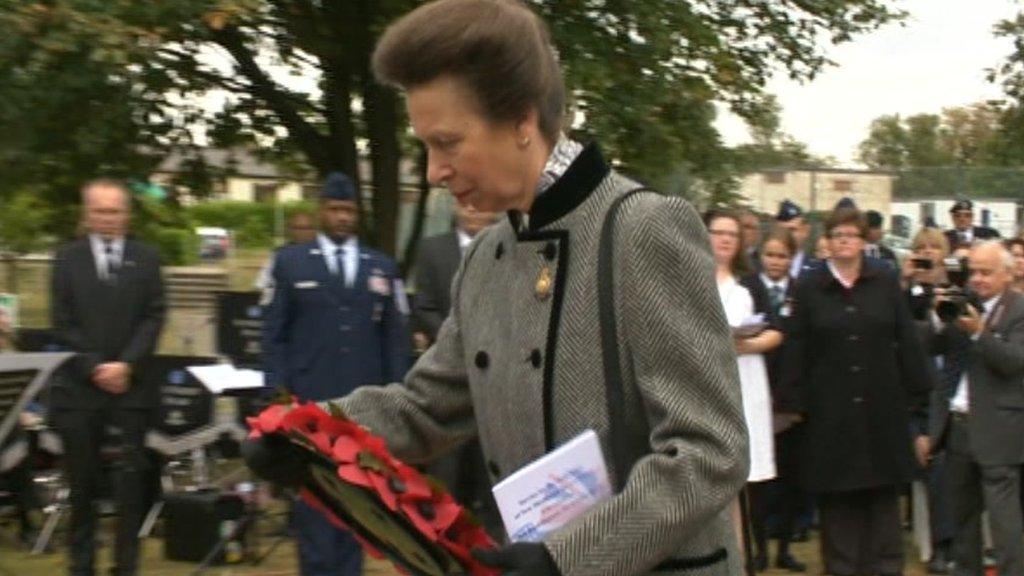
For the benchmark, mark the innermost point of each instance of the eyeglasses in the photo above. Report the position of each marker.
(844, 235)
(724, 233)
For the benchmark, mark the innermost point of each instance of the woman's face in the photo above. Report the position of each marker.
(489, 166)
(1018, 258)
(725, 239)
(845, 242)
(775, 259)
(931, 251)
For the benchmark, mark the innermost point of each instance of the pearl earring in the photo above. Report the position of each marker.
(524, 142)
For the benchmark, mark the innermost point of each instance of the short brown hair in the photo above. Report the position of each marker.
(846, 217)
(782, 235)
(500, 49)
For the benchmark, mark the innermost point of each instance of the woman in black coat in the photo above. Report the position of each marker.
(854, 357)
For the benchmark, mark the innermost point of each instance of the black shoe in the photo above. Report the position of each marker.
(760, 563)
(787, 562)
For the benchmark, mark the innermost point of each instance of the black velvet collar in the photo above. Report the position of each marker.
(583, 176)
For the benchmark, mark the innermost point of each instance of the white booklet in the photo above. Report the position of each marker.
(551, 491)
(221, 377)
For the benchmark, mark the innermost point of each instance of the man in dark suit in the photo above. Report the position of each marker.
(977, 414)
(873, 247)
(438, 260)
(463, 471)
(964, 231)
(107, 304)
(336, 322)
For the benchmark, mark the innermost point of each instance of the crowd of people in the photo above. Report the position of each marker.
(879, 372)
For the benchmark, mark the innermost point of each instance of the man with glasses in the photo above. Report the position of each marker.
(964, 232)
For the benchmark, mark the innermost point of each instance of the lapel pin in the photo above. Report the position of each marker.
(544, 284)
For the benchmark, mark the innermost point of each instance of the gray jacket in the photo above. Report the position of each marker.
(995, 367)
(524, 373)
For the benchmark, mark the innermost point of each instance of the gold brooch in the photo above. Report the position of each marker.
(544, 284)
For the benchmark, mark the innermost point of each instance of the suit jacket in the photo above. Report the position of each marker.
(978, 233)
(438, 260)
(860, 368)
(995, 367)
(105, 322)
(519, 368)
(321, 338)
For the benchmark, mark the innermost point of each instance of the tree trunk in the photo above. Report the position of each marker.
(412, 245)
(381, 113)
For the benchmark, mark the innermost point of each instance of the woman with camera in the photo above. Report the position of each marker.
(854, 357)
(924, 275)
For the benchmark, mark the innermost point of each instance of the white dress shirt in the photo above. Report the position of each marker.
(350, 255)
(797, 265)
(99, 253)
(464, 240)
(961, 401)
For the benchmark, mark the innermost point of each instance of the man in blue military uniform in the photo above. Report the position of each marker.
(791, 217)
(336, 321)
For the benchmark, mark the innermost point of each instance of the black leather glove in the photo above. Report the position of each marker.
(275, 459)
(520, 559)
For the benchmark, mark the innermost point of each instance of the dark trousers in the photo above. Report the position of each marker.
(324, 550)
(464, 473)
(940, 506)
(861, 532)
(82, 433)
(975, 488)
(780, 498)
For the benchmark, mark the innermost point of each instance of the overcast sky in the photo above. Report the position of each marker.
(936, 60)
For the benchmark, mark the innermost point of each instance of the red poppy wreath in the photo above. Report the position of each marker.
(392, 510)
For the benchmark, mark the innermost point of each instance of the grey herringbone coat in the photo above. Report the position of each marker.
(525, 373)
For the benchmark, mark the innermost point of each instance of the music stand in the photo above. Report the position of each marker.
(240, 328)
(187, 422)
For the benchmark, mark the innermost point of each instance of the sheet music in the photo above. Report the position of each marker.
(221, 377)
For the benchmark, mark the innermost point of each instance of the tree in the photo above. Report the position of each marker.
(23, 226)
(886, 144)
(643, 75)
(771, 147)
(963, 136)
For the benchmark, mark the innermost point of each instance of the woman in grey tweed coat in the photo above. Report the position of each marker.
(518, 361)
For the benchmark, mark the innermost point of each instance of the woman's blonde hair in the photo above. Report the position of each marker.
(926, 236)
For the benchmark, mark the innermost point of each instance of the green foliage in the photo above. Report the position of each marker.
(966, 136)
(253, 224)
(23, 223)
(118, 78)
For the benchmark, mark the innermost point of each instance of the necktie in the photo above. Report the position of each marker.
(339, 258)
(113, 266)
(775, 294)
